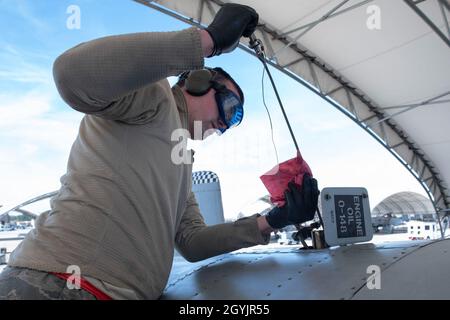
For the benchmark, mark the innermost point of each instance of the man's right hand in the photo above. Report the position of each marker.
(231, 23)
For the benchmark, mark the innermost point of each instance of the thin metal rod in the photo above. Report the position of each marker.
(320, 218)
(444, 16)
(41, 197)
(445, 3)
(440, 226)
(424, 103)
(329, 17)
(323, 18)
(167, 12)
(281, 104)
(430, 23)
(416, 104)
(12, 239)
(255, 44)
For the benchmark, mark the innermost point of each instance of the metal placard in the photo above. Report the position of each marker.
(346, 215)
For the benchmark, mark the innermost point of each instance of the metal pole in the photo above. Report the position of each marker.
(255, 44)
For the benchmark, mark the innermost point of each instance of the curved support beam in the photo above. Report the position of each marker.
(36, 199)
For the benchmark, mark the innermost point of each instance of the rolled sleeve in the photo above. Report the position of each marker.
(197, 241)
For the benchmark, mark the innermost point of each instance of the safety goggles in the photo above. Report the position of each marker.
(230, 107)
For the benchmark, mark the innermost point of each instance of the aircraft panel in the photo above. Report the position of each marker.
(290, 273)
(422, 274)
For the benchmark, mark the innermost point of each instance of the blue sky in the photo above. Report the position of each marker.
(37, 128)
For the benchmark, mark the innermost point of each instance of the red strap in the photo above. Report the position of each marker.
(85, 285)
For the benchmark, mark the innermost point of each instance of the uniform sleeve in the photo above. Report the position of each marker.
(197, 241)
(115, 77)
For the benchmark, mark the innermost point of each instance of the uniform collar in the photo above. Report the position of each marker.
(181, 106)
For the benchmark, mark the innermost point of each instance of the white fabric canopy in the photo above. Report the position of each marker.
(380, 61)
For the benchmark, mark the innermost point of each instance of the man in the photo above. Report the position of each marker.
(124, 203)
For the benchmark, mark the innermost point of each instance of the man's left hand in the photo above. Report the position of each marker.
(301, 204)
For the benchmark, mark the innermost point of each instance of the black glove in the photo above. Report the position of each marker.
(231, 23)
(301, 204)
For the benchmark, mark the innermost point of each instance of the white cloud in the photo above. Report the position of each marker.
(16, 66)
(33, 157)
(23, 107)
(26, 75)
(34, 143)
(24, 11)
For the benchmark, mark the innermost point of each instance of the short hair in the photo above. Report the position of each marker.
(220, 75)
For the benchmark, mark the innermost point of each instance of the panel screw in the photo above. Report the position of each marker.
(327, 197)
(364, 195)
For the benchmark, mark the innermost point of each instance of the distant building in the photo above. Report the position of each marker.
(407, 205)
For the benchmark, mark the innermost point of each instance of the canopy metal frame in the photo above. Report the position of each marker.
(444, 7)
(378, 124)
(19, 209)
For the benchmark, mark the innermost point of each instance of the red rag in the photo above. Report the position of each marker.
(276, 180)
